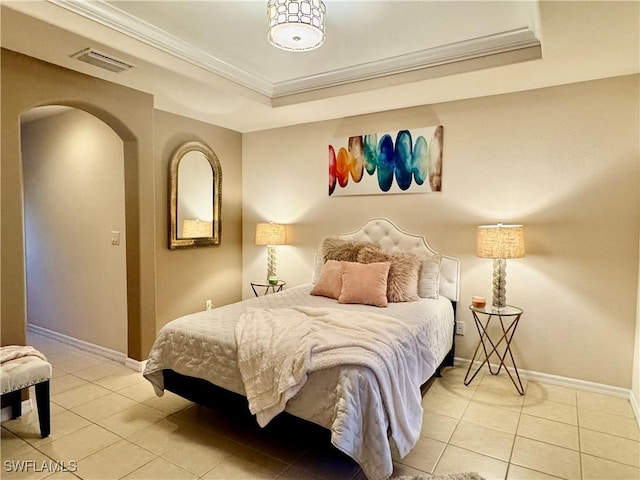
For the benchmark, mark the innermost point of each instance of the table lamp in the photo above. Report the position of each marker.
(500, 242)
(271, 234)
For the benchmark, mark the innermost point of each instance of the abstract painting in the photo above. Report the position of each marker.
(377, 163)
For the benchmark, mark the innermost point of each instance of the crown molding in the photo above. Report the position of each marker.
(123, 22)
(508, 41)
(112, 17)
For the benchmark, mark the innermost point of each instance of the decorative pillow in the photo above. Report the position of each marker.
(346, 250)
(364, 283)
(402, 284)
(330, 282)
(429, 281)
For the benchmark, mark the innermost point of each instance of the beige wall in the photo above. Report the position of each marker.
(563, 161)
(27, 83)
(635, 382)
(161, 284)
(188, 277)
(73, 170)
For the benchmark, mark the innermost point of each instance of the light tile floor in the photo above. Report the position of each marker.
(108, 420)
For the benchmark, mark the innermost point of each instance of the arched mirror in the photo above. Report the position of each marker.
(195, 195)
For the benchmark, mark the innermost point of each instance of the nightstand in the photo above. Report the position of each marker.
(273, 287)
(508, 318)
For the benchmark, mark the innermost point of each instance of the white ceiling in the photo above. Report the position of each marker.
(210, 60)
(229, 37)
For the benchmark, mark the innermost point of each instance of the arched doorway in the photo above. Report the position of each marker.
(74, 211)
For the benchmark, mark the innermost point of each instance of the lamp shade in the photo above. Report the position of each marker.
(500, 241)
(271, 234)
(296, 25)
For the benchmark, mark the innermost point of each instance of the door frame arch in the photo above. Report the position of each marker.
(67, 180)
(28, 83)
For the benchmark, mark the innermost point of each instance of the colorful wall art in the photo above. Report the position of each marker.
(375, 163)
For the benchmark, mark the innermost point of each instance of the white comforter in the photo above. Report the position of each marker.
(278, 348)
(203, 345)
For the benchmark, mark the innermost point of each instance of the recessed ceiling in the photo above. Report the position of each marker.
(211, 60)
(364, 39)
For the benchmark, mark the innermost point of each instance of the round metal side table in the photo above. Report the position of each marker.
(508, 318)
(273, 287)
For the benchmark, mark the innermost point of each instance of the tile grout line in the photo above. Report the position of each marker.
(458, 422)
(515, 435)
(579, 437)
(91, 422)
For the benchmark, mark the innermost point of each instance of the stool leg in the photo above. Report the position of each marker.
(15, 399)
(42, 400)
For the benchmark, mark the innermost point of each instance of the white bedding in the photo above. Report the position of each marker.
(279, 347)
(203, 345)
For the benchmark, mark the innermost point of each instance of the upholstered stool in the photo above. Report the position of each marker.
(21, 368)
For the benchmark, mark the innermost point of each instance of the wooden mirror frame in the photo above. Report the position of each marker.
(174, 240)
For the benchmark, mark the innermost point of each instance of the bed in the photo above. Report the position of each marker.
(369, 400)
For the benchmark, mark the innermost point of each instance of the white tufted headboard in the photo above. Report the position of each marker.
(392, 239)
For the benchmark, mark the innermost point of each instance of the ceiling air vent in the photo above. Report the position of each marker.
(102, 60)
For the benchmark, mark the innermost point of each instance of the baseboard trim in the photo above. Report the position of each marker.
(89, 347)
(570, 383)
(5, 413)
(635, 406)
(563, 381)
(138, 366)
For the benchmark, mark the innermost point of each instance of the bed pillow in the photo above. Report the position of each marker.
(404, 272)
(429, 281)
(364, 283)
(330, 282)
(344, 250)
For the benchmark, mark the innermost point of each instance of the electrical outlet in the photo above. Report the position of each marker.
(459, 328)
(208, 304)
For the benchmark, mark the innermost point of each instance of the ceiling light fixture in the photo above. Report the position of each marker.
(296, 25)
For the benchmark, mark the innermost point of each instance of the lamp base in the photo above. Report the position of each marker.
(499, 283)
(272, 277)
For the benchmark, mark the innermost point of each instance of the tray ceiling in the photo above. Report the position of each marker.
(365, 39)
(211, 60)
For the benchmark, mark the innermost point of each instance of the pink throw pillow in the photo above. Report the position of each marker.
(364, 283)
(330, 282)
